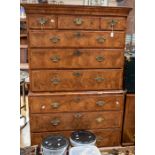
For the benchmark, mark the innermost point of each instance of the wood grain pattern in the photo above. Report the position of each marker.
(73, 121)
(105, 137)
(78, 39)
(76, 58)
(75, 103)
(68, 80)
(84, 22)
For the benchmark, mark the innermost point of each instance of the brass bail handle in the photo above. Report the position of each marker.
(99, 58)
(113, 22)
(55, 58)
(77, 74)
(55, 39)
(55, 81)
(42, 21)
(77, 115)
(55, 105)
(101, 39)
(78, 21)
(55, 122)
(100, 103)
(99, 79)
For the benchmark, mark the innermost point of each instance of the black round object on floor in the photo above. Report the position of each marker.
(55, 142)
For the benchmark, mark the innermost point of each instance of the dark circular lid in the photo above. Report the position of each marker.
(55, 142)
(83, 137)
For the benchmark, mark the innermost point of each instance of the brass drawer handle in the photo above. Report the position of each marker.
(77, 53)
(99, 58)
(113, 22)
(55, 39)
(100, 103)
(55, 122)
(55, 58)
(100, 119)
(99, 79)
(101, 39)
(77, 115)
(77, 74)
(55, 81)
(42, 20)
(78, 35)
(55, 105)
(78, 21)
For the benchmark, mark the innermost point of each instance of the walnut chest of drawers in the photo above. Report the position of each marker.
(76, 70)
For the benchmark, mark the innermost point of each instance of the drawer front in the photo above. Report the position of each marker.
(77, 58)
(42, 21)
(77, 39)
(72, 121)
(67, 103)
(104, 137)
(78, 22)
(67, 80)
(116, 23)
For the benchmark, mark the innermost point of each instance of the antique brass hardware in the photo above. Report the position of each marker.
(78, 21)
(100, 103)
(113, 22)
(99, 79)
(99, 138)
(55, 39)
(77, 74)
(77, 115)
(55, 58)
(78, 34)
(100, 119)
(77, 53)
(99, 58)
(55, 105)
(55, 122)
(42, 20)
(55, 81)
(101, 39)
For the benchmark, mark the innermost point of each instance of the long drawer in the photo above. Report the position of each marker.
(104, 137)
(75, 102)
(79, 39)
(68, 80)
(76, 58)
(73, 121)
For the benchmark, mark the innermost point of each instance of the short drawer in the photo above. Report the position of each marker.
(73, 121)
(115, 23)
(78, 22)
(75, 102)
(68, 80)
(77, 39)
(42, 21)
(104, 137)
(76, 58)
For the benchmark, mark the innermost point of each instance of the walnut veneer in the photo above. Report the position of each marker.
(76, 70)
